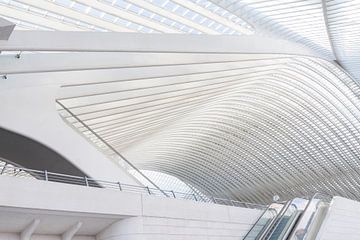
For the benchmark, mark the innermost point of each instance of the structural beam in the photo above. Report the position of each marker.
(70, 233)
(51, 62)
(29, 230)
(134, 42)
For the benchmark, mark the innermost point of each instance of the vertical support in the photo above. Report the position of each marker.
(173, 193)
(46, 175)
(214, 200)
(69, 234)
(119, 186)
(86, 181)
(29, 230)
(2, 170)
(148, 190)
(194, 196)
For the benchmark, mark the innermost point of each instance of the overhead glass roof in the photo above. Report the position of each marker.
(153, 16)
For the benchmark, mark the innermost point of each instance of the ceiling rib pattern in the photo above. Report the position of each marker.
(160, 16)
(295, 20)
(247, 129)
(330, 27)
(343, 18)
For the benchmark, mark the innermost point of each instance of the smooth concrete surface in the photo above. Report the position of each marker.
(31, 111)
(52, 196)
(342, 221)
(112, 215)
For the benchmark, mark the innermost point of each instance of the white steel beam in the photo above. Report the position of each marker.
(134, 42)
(50, 62)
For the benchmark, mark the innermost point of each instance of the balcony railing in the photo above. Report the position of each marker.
(14, 171)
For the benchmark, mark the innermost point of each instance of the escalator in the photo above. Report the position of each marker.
(297, 219)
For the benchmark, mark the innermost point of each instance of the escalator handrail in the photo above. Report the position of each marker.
(290, 226)
(304, 213)
(279, 216)
(259, 218)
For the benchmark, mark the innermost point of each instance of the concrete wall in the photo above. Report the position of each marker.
(178, 219)
(52, 196)
(342, 221)
(29, 109)
(112, 215)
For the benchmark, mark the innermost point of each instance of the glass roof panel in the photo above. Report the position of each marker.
(153, 16)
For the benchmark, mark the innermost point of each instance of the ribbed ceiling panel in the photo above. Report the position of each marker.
(247, 129)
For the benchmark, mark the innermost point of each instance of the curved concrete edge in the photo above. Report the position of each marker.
(31, 111)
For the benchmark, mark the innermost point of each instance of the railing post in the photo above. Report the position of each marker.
(46, 175)
(86, 181)
(119, 186)
(148, 190)
(173, 193)
(2, 170)
(195, 197)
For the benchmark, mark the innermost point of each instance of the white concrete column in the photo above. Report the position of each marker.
(29, 230)
(69, 234)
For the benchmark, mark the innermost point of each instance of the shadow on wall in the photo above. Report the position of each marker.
(28, 153)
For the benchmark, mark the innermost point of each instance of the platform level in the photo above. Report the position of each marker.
(63, 211)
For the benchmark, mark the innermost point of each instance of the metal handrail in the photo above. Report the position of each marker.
(315, 196)
(90, 182)
(257, 220)
(275, 221)
(109, 146)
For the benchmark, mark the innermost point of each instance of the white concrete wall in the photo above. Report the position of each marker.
(166, 219)
(121, 215)
(342, 221)
(28, 108)
(165, 228)
(52, 196)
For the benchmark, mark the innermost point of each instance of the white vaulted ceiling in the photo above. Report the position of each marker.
(329, 26)
(246, 117)
(259, 126)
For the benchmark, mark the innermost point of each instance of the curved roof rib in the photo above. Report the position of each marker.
(287, 126)
(343, 18)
